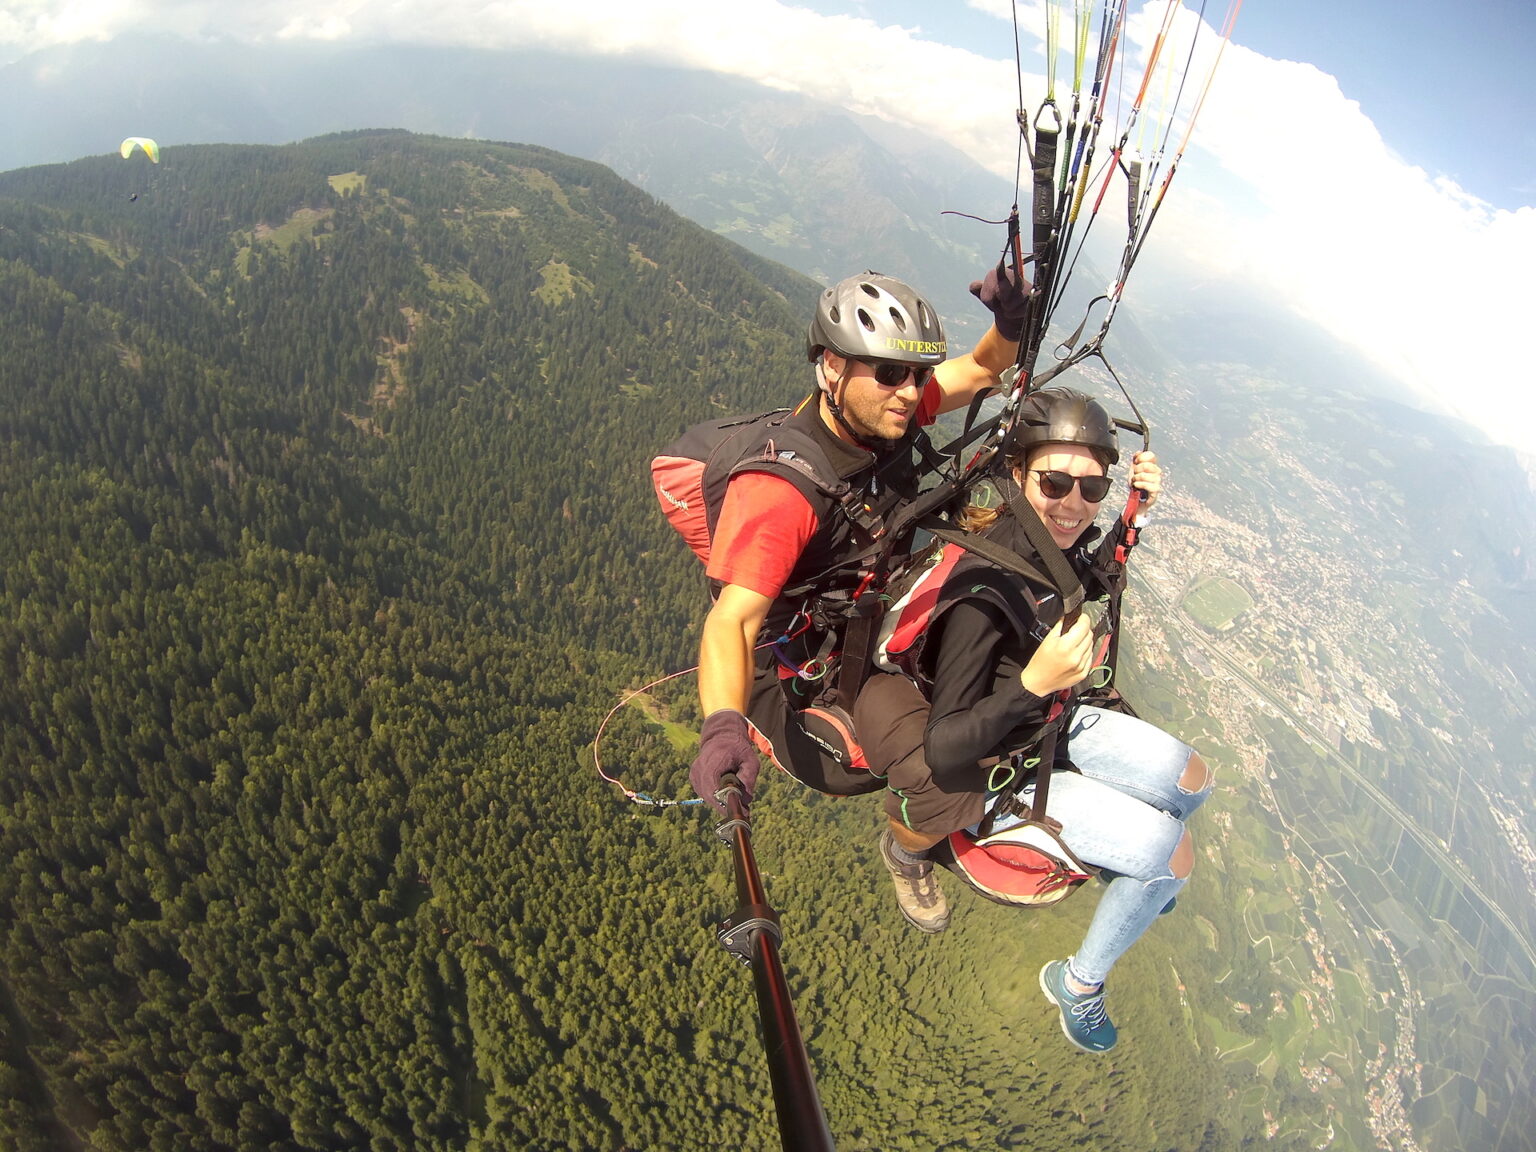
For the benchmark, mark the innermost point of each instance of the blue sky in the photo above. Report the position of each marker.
(1368, 165)
(1449, 86)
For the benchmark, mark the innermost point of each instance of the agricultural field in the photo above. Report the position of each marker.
(1214, 602)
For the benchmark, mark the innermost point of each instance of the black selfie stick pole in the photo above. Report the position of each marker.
(752, 936)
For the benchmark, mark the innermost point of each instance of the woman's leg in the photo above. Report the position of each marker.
(1128, 907)
(1147, 850)
(1150, 856)
(1139, 759)
(1143, 763)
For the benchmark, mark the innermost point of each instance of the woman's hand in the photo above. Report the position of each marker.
(1062, 659)
(1146, 475)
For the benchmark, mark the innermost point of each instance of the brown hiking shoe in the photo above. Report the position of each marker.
(917, 890)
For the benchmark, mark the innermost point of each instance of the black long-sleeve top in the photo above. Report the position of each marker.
(979, 709)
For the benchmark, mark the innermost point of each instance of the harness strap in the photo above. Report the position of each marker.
(1008, 800)
(1055, 722)
(1062, 578)
(1111, 571)
(858, 655)
(1005, 558)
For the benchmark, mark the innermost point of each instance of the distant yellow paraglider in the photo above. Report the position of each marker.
(151, 149)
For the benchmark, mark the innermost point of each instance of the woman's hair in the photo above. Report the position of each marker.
(979, 517)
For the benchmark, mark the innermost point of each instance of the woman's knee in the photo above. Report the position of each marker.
(1182, 862)
(1197, 776)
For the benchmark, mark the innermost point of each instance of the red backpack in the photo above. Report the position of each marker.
(690, 474)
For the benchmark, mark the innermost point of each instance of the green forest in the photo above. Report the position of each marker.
(327, 545)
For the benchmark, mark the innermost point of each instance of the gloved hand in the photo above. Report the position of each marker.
(724, 746)
(1006, 296)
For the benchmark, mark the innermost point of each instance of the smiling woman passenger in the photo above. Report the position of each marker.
(977, 691)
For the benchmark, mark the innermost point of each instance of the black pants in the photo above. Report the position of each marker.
(891, 716)
(798, 726)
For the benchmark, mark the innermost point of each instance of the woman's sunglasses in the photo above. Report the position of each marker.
(892, 374)
(1056, 485)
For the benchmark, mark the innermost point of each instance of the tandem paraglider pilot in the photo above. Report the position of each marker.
(787, 507)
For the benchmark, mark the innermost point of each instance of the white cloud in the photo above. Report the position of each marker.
(1287, 183)
(31, 24)
(1420, 275)
(321, 24)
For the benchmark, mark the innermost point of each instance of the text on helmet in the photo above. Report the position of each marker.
(919, 347)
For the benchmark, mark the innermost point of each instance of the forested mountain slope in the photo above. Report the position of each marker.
(326, 546)
(792, 179)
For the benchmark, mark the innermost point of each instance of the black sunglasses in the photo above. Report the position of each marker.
(893, 373)
(1056, 485)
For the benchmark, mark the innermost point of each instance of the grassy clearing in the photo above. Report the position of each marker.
(1214, 602)
(344, 182)
(298, 228)
(542, 182)
(101, 247)
(681, 738)
(459, 285)
(557, 284)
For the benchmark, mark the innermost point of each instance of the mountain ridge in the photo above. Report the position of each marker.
(611, 112)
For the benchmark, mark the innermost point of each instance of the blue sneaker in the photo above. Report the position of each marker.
(1083, 1019)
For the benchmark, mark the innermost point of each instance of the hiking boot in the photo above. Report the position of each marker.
(1083, 1019)
(917, 889)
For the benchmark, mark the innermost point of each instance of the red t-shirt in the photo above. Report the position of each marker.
(765, 523)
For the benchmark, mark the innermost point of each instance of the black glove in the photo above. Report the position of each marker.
(724, 746)
(1006, 296)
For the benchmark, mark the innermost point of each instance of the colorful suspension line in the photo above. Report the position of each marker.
(1062, 162)
(812, 671)
(597, 761)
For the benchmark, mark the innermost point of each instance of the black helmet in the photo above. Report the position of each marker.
(1066, 416)
(874, 317)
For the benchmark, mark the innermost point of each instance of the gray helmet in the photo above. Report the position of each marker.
(874, 317)
(1066, 416)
